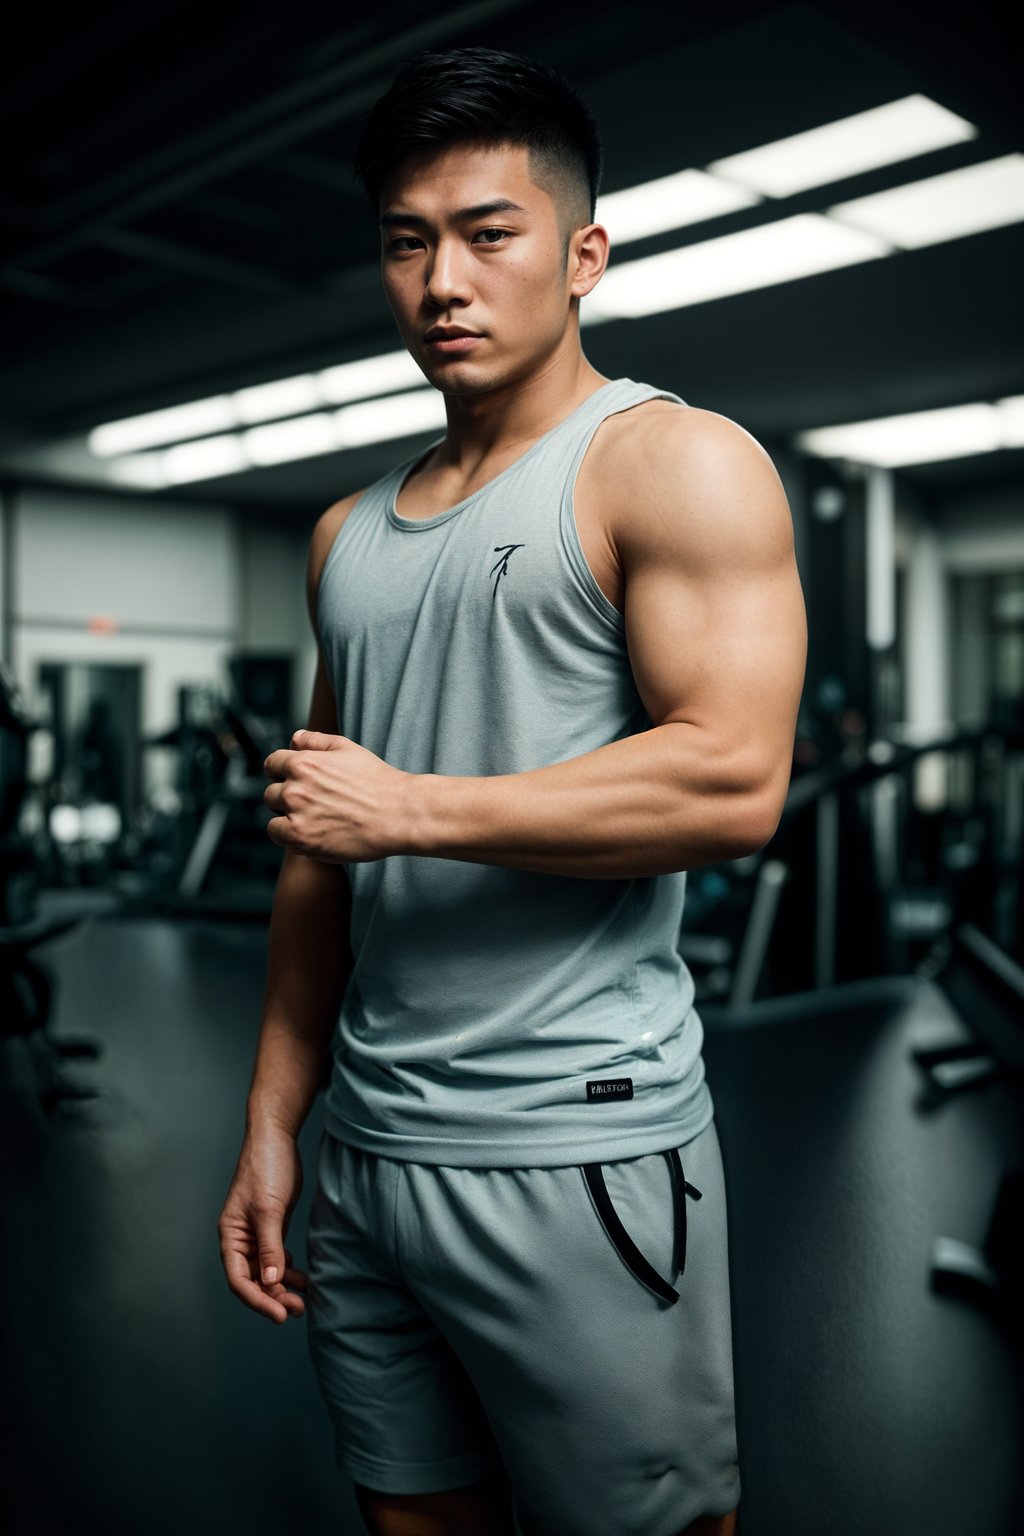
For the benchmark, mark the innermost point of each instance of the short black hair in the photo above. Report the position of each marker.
(487, 96)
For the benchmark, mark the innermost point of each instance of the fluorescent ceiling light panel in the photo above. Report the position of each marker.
(738, 263)
(922, 437)
(881, 136)
(139, 471)
(1011, 420)
(302, 437)
(203, 460)
(371, 421)
(962, 202)
(214, 414)
(367, 376)
(668, 203)
(283, 397)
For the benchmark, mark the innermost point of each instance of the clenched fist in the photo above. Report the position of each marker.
(334, 800)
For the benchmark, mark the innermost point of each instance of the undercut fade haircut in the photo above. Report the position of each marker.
(493, 98)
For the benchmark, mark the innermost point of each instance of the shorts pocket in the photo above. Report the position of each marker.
(645, 1272)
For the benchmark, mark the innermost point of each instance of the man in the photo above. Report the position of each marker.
(560, 659)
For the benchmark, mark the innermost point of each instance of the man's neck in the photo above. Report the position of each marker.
(490, 425)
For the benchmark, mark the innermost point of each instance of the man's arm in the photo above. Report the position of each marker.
(310, 959)
(717, 638)
(309, 964)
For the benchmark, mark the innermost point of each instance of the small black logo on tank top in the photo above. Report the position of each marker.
(505, 551)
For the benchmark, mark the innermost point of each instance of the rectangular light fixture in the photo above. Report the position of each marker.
(670, 202)
(261, 402)
(370, 376)
(301, 438)
(962, 202)
(374, 421)
(1011, 420)
(281, 397)
(353, 426)
(922, 437)
(174, 424)
(914, 125)
(210, 456)
(737, 263)
(279, 442)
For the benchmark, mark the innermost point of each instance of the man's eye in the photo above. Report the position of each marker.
(404, 242)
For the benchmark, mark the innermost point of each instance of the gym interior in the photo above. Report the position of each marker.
(815, 215)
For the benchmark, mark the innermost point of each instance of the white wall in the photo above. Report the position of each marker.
(184, 584)
(274, 615)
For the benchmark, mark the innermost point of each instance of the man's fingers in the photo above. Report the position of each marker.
(269, 1250)
(296, 1278)
(284, 1290)
(315, 741)
(237, 1268)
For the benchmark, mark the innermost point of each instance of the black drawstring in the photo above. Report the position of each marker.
(645, 1272)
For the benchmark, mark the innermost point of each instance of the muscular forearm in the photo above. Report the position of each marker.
(651, 803)
(309, 964)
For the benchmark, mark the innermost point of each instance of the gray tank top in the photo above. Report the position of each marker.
(499, 1017)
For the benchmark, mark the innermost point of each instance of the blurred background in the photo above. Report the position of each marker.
(816, 221)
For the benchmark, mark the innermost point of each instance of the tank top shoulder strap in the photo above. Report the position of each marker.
(619, 395)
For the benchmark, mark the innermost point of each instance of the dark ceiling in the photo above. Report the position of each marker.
(178, 216)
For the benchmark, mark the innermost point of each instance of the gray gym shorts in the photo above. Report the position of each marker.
(569, 1325)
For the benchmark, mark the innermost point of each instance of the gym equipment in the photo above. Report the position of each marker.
(205, 837)
(988, 987)
(26, 984)
(243, 784)
(856, 864)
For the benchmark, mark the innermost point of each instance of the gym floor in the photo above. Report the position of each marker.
(141, 1397)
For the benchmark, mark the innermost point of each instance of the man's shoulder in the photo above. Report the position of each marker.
(328, 525)
(679, 482)
(657, 428)
(325, 530)
(329, 522)
(671, 450)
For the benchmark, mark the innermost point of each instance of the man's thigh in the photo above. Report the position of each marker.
(612, 1406)
(405, 1416)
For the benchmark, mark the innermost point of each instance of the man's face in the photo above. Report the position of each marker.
(499, 274)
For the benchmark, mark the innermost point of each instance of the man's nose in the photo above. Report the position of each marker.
(447, 275)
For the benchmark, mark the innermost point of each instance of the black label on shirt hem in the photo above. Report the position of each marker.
(616, 1088)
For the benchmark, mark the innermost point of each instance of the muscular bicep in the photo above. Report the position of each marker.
(714, 610)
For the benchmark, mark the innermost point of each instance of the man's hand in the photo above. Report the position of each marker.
(254, 1221)
(334, 800)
